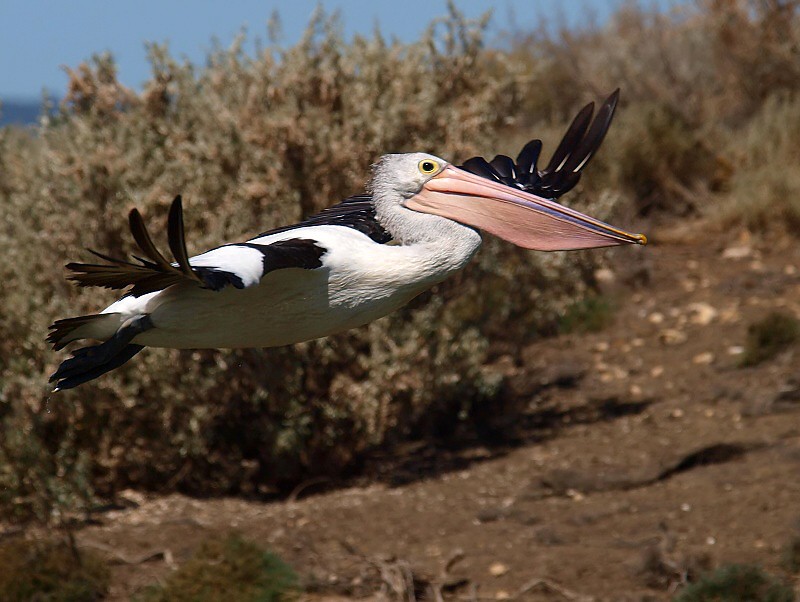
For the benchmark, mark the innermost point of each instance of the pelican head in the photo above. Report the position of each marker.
(424, 183)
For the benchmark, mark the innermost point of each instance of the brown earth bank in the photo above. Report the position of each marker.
(644, 455)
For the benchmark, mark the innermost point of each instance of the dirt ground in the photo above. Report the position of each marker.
(646, 455)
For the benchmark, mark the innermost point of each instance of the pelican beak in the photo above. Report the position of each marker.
(519, 217)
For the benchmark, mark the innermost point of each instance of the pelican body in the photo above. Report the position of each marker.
(344, 267)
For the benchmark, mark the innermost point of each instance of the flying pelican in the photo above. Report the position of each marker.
(344, 267)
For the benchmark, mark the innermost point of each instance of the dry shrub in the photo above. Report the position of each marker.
(252, 143)
(51, 570)
(692, 79)
(764, 191)
(661, 160)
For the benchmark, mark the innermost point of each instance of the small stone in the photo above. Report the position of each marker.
(131, 498)
(656, 317)
(670, 336)
(601, 347)
(739, 252)
(735, 350)
(604, 275)
(711, 540)
(575, 495)
(701, 313)
(676, 413)
(656, 371)
(636, 390)
(790, 270)
(703, 359)
(730, 315)
(502, 595)
(618, 373)
(498, 569)
(685, 507)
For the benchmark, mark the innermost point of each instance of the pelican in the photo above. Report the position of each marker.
(344, 267)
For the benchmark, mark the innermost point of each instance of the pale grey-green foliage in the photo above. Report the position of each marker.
(708, 110)
(251, 143)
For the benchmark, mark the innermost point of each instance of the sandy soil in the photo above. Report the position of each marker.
(644, 455)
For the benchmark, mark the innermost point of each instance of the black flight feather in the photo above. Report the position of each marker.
(154, 272)
(356, 212)
(177, 240)
(142, 238)
(579, 144)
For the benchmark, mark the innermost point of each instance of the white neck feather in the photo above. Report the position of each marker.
(448, 244)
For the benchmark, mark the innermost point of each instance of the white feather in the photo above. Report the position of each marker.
(247, 263)
(358, 282)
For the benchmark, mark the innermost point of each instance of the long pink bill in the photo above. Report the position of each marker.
(519, 217)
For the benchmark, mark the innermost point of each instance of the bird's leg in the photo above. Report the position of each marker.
(96, 356)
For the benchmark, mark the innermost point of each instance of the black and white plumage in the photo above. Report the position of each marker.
(334, 270)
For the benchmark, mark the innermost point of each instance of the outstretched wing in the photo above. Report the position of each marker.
(356, 212)
(238, 265)
(581, 141)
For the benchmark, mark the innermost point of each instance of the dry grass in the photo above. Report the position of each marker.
(50, 570)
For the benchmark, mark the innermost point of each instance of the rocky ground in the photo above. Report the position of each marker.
(646, 455)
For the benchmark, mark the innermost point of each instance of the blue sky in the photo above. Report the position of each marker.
(38, 36)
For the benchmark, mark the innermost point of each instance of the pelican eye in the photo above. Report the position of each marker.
(428, 167)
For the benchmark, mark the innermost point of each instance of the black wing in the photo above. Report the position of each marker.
(581, 141)
(357, 212)
(237, 265)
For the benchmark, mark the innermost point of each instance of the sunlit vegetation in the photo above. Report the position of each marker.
(708, 122)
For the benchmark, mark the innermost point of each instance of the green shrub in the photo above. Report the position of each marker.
(227, 569)
(736, 583)
(591, 314)
(769, 336)
(50, 571)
